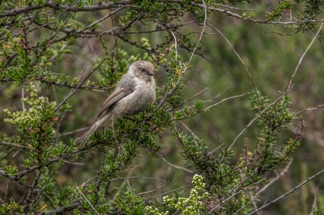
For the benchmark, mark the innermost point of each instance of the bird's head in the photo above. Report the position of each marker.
(142, 69)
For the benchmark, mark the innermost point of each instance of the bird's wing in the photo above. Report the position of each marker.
(125, 87)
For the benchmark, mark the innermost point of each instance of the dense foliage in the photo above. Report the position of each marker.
(231, 114)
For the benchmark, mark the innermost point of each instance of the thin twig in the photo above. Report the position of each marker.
(14, 144)
(23, 97)
(224, 100)
(186, 65)
(314, 205)
(191, 98)
(256, 117)
(303, 55)
(318, 107)
(153, 190)
(73, 132)
(176, 166)
(289, 192)
(238, 56)
(229, 198)
(171, 191)
(238, 16)
(101, 19)
(87, 200)
(265, 187)
(76, 89)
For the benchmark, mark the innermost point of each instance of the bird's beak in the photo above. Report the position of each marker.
(151, 73)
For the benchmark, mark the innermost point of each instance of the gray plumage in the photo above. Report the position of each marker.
(135, 90)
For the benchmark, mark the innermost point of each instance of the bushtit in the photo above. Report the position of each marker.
(133, 92)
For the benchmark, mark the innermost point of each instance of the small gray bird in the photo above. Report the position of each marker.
(135, 90)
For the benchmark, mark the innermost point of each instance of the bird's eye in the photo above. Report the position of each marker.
(143, 70)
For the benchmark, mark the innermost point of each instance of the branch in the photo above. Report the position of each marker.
(55, 6)
(14, 144)
(235, 15)
(61, 210)
(66, 85)
(128, 3)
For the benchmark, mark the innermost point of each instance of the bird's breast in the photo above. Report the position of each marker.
(137, 101)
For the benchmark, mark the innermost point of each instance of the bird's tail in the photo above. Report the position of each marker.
(84, 138)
